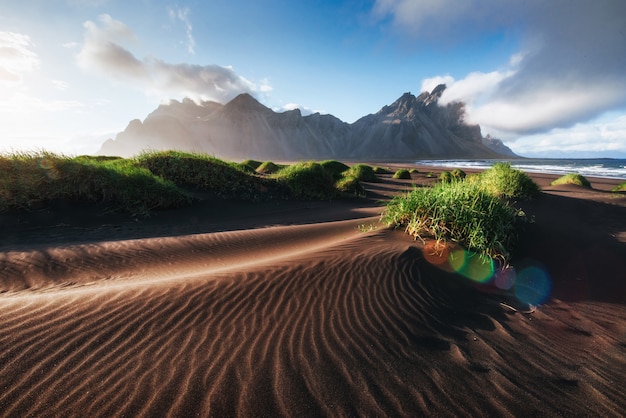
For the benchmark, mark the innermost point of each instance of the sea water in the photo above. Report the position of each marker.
(592, 167)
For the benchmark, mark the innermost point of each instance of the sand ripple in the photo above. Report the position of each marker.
(312, 320)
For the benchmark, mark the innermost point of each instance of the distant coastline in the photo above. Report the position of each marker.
(592, 167)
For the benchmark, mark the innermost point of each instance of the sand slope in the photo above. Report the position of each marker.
(309, 317)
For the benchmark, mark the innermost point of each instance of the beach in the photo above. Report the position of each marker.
(308, 308)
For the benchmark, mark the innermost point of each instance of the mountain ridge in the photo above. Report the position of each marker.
(412, 127)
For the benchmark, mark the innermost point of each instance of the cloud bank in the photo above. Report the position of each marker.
(16, 57)
(103, 52)
(571, 67)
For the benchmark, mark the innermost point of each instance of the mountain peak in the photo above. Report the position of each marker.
(246, 103)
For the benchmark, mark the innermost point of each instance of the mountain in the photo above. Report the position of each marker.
(498, 146)
(410, 128)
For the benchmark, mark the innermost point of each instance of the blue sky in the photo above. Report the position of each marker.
(549, 78)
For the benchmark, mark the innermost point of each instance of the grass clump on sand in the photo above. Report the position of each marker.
(362, 172)
(307, 180)
(381, 170)
(572, 178)
(475, 212)
(28, 180)
(253, 164)
(402, 174)
(335, 168)
(449, 176)
(206, 173)
(460, 212)
(619, 188)
(502, 180)
(268, 167)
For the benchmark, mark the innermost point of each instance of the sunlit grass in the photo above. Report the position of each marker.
(475, 214)
(164, 179)
(29, 179)
(620, 187)
(402, 173)
(504, 181)
(206, 173)
(362, 172)
(572, 178)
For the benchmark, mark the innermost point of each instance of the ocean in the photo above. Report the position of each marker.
(592, 167)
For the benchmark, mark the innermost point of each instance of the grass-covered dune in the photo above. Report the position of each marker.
(167, 179)
(572, 178)
(475, 212)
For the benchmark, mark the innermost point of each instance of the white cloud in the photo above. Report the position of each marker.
(429, 84)
(604, 136)
(103, 53)
(16, 57)
(293, 106)
(183, 16)
(570, 67)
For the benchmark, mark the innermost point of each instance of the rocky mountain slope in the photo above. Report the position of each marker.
(410, 128)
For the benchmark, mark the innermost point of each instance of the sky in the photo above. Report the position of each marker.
(546, 77)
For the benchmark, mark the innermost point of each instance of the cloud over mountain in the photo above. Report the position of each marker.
(103, 51)
(570, 67)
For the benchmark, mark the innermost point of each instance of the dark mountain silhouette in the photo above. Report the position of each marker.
(410, 128)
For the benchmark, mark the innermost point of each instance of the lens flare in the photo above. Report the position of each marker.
(505, 278)
(437, 252)
(533, 285)
(471, 265)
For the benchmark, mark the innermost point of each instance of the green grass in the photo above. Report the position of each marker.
(268, 167)
(206, 173)
(362, 172)
(572, 178)
(335, 168)
(619, 188)
(402, 174)
(381, 170)
(253, 164)
(475, 212)
(459, 212)
(307, 180)
(28, 180)
(502, 180)
(162, 180)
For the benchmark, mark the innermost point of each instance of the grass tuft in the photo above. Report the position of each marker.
(335, 168)
(268, 167)
(402, 174)
(572, 178)
(308, 180)
(619, 188)
(474, 212)
(460, 212)
(502, 180)
(381, 170)
(362, 172)
(253, 164)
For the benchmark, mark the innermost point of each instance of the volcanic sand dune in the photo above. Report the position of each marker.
(311, 315)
